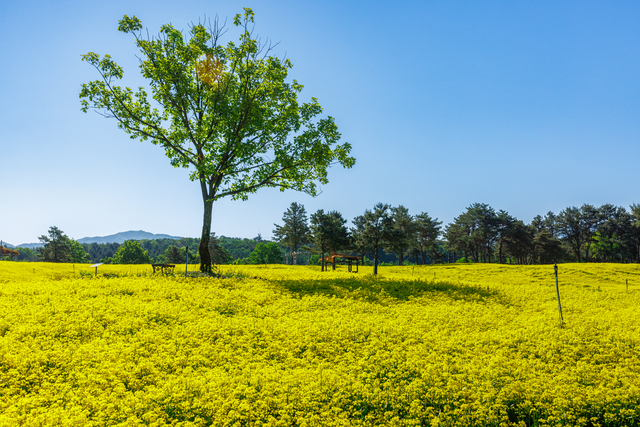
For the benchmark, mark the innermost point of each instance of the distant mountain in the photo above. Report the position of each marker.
(114, 238)
(29, 245)
(7, 245)
(126, 235)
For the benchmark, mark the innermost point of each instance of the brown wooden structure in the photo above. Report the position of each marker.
(349, 260)
(7, 252)
(163, 268)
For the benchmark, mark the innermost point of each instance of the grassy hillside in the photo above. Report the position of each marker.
(433, 345)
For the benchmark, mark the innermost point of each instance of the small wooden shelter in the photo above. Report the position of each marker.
(7, 252)
(348, 258)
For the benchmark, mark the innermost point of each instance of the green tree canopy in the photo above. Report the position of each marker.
(78, 254)
(402, 233)
(219, 255)
(574, 227)
(373, 230)
(473, 232)
(228, 113)
(27, 254)
(172, 255)
(426, 231)
(266, 253)
(329, 232)
(295, 230)
(56, 246)
(130, 252)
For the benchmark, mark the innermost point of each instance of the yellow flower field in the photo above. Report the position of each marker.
(452, 345)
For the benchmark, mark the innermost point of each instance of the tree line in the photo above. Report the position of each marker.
(586, 234)
(387, 234)
(58, 247)
(383, 228)
(480, 234)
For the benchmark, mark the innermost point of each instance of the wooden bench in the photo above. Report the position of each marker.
(163, 268)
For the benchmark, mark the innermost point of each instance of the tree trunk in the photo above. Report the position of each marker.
(577, 251)
(203, 249)
(586, 255)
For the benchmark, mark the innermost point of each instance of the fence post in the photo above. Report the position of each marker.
(555, 269)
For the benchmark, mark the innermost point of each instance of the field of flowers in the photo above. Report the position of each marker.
(454, 345)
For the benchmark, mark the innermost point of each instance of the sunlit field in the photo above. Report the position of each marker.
(463, 345)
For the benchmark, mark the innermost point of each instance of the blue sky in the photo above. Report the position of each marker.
(527, 106)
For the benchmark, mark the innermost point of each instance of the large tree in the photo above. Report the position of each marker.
(634, 231)
(426, 232)
(266, 253)
(56, 246)
(328, 233)
(373, 230)
(172, 255)
(219, 255)
(577, 226)
(78, 254)
(474, 232)
(401, 236)
(227, 113)
(130, 252)
(295, 230)
(505, 226)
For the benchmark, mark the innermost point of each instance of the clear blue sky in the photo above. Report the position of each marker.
(527, 106)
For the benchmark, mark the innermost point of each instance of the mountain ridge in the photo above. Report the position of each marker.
(126, 235)
(120, 237)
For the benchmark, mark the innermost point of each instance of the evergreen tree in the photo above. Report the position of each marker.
(547, 249)
(474, 232)
(401, 236)
(219, 255)
(426, 235)
(504, 226)
(295, 231)
(329, 233)
(574, 229)
(634, 231)
(56, 246)
(172, 255)
(516, 239)
(373, 230)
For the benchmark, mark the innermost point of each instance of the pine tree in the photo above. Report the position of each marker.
(295, 231)
(401, 235)
(219, 255)
(172, 255)
(373, 230)
(56, 246)
(427, 231)
(329, 232)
